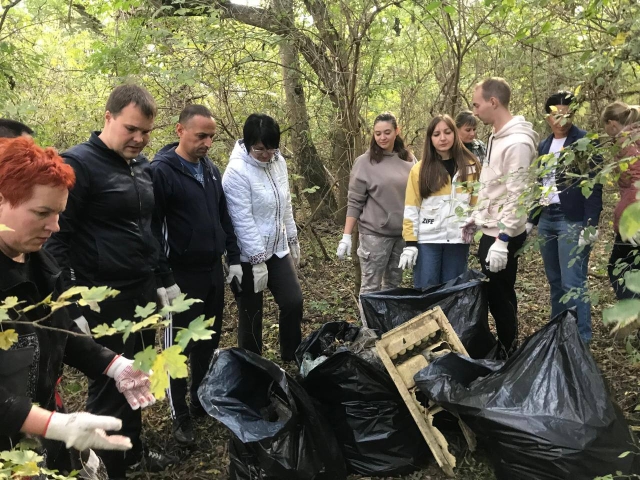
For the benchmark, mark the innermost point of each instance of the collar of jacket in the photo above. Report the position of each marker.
(97, 142)
(10, 278)
(168, 155)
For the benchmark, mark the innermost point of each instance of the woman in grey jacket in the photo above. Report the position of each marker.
(376, 202)
(256, 185)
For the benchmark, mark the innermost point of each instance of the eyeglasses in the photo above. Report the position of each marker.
(262, 151)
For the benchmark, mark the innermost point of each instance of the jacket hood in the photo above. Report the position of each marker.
(240, 152)
(517, 125)
(167, 152)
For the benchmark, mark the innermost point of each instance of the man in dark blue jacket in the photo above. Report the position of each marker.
(567, 220)
(191, 212)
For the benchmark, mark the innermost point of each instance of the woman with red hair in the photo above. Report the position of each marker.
(34, 185)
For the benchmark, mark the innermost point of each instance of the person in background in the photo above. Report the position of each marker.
(467, 124)
(438, 187)
(622, 123)
(34, 185)
(503, 179)
(376, 203)
(106, 239)
(191, 213)
(13, 129)
(565, 216)
(256, 184)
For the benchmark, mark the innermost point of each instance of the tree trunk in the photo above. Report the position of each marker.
(305, 153)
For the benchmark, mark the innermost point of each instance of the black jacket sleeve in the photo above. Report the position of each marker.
(233, 251)
(13, 412)
(85, 354)
(162, 193)
(59, 243)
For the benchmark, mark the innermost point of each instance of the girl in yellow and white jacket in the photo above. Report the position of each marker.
(439, 197)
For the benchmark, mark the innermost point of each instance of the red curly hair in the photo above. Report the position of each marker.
(23, 164)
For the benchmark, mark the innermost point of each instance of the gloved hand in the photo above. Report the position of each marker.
(498, 256)
(408, 258)
(586, 238)
(84, 430)
(294, 249)
(344, 247)
(260, 276)
(133, 384)
(163, 298)
(83, 325)
(529, 227)
(172, 292)
(235, 271)
(469, 230)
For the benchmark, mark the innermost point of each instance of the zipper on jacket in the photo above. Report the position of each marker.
(135, 185)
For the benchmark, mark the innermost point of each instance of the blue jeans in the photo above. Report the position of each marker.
(439, 262)
(566, 266)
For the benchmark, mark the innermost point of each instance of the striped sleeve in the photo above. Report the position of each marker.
(412, 204)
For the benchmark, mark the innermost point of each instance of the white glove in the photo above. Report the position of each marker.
(235, 271)
(133, 384)
(294, 249)
(529, 227)
(344, 247)
(260, 276)
(498, 256)
(172, 292)
(83, 325)
(84, 430)
(586, 238)
(469, 230)
(163, 298)
(408, 258)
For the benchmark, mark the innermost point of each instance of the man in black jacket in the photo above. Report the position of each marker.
(105, 238)
(191, 212)
(567, 220)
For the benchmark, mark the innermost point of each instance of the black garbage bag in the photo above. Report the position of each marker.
(544, 414)
(374, 428)
(463, 300)
(278, 433)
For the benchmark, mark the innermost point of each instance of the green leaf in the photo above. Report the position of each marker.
(433, 5)
(103, 330)
(624, 312)
(630, 221)
(624, 454)
(197, 330)
(8, 338)
(147, 322)
(11, 302)
(71, 292)
(4, 228)
(180, 304)
(450, 9)
(632, 281)
(169, 363)
(144, 360)
(144, 312)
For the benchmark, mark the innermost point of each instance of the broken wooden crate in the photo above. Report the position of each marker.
(405, 351)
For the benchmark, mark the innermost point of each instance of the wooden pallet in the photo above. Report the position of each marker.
(405, 351)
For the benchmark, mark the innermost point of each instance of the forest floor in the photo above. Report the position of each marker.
(328, 291)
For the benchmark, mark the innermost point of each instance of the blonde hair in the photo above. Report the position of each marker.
(621, 113)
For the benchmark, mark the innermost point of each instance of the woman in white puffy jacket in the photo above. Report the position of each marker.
(256, 185)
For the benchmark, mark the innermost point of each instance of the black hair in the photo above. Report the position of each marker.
(376, 154)
(13, 128)
(261, 128)
(466, 117)
(191, 111)
(559, 98)
(124, 95)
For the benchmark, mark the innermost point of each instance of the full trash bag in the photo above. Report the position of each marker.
(372, 424)
(544, 414)
(463, 300)
(278, 433)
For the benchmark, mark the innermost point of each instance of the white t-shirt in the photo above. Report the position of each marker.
(551, 195)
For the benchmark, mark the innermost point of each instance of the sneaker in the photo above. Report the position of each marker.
(183, 430)
(153, 462)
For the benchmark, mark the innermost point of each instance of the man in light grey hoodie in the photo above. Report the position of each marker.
(510, 151)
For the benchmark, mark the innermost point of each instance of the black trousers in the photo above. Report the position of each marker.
(103, 397)
(503, 303)
(283, 284)
(622, 261)
(208, 287)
